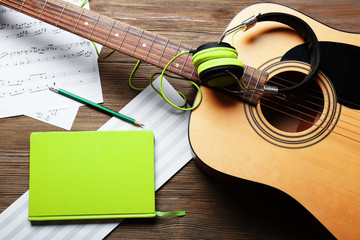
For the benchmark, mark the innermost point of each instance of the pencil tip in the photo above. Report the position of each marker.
(54, 89)
(137, 123)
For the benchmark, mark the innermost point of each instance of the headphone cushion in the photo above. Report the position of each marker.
(220, 62)
(213, 53)
(214, 63)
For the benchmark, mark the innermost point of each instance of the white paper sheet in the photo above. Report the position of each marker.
(63, 118)
(172, 152)
(33, 55)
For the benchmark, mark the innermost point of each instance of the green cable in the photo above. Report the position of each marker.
(180, 93)
(232, 38)
(131, 76)
(161, 93)
(170, 214)
(151, 82)
(242, 81)
(97, 52)
(193, 83)
(83, 3)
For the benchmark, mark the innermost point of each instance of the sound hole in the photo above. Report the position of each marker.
(297, 111)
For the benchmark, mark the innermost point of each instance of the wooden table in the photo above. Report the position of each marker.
(215, 209)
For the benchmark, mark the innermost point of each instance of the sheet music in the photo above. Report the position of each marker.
(63, 118)
(34, 55)
(172, 152)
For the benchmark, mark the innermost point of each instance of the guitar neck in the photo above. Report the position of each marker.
(130, 40)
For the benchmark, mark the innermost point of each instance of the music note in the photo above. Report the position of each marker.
(47, 115)
(33, 55)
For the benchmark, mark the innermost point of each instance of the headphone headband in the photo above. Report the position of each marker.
(307, 34)
(213, 76)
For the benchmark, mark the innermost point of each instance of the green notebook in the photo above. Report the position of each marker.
(91, 175)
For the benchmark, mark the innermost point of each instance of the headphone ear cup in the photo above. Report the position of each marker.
(219, 72)
(215, 63)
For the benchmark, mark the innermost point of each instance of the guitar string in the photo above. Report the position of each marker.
(34, 8)
(305, 114)
(307, 101)
(311, 123)
(59, 9)
(164, 52)
(263, 104)
(311, 116)
(304, 120)
(318, 105)
(85, 1)
(332, 131)
(316, 92)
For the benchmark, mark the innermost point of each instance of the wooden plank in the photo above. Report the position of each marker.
(215, 209)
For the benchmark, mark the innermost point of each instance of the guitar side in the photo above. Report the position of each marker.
(319, 166)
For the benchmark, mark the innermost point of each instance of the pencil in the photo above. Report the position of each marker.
(96, 106)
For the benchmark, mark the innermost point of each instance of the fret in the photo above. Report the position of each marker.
(180, 61)
(251, 76)
(247, 94)
(22, 4)
(107, 37)
(102, 29)
(182, 68)
(131, 38)
(97, 20)
(158, 51)
(116, 34)
(253, 79)
(256, 85)
(123, 40)
(144, 46)
(192, 73)
(151, 45)
(189, 70)
(171, 64)
(42, 10)
(62, 11)
(86, 23)
(78, 20)
(243, 80)
(170, 52)
(162, 53)
(137, 44)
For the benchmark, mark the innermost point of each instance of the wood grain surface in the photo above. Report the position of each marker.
(215, 209)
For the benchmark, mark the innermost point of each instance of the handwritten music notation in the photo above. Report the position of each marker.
(45, 76)
(22, 25)
(43, 50)
(46, 116)
(26, 61)
(35, 55)
(27, 33)
(41, 81)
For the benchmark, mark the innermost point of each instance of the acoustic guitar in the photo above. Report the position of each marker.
(306, 144)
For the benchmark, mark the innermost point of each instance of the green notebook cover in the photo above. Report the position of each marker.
(91, 175)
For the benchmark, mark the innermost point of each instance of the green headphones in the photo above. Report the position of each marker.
(214, 61)
(217, 62)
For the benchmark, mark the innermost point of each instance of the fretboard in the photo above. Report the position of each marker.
(130, 40)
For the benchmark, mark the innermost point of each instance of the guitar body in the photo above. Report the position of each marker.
(314, 155)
